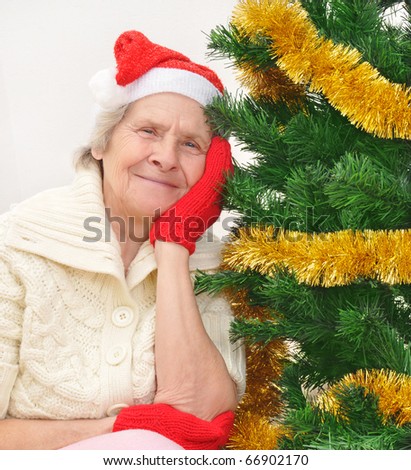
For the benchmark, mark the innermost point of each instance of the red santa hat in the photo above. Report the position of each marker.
(144, 68)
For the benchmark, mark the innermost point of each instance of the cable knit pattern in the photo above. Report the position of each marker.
(76, 334)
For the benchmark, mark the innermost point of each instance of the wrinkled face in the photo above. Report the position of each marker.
(155, 155)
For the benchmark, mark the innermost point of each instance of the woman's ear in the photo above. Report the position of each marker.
(97, 153)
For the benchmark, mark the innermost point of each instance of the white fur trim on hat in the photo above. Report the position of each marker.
(110, 96)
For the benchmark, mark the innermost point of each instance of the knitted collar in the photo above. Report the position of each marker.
(55, 224)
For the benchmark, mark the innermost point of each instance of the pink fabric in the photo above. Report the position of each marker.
(131, 439)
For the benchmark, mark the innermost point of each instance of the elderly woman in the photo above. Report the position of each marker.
(100, 329)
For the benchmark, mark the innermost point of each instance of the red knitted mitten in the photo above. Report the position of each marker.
(191, 216)
(185, 429)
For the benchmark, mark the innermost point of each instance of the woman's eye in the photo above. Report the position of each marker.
(191, 145)
(146, 132)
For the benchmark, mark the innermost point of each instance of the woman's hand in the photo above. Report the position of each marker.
(185, 429)
(197, 210)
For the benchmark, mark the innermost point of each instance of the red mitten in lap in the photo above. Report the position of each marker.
(185, 429)
(197, 210)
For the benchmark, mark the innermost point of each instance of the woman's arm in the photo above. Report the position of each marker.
(26, 434)
(191, 373)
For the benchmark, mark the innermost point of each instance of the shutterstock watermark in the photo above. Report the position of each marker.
(169, 226)
(174, 228)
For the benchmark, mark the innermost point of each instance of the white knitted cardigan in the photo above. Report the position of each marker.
(76, 334)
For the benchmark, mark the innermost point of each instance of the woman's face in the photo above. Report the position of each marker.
(155, 155)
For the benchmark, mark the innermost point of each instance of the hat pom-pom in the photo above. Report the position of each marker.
(107, 93)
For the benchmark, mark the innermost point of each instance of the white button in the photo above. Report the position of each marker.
(122, 316)
(115, 355)
(114, 410)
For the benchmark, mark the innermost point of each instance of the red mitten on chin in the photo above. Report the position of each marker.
(197, 210)
(185, 429)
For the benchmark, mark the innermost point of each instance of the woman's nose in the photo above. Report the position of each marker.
(165, 155)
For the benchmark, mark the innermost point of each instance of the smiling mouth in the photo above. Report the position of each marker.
(155, 181)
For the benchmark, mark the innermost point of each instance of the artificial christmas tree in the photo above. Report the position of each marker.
(318, 265)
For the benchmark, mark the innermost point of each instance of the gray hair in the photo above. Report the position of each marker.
(106, 122)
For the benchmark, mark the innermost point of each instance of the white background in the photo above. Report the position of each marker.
(49, 49)
(216, 459)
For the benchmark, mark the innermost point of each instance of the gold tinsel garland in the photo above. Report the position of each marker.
(264, 368)
(324, 259)
(256, 432)
(351, 85)
(270, 83)
(253, 428)
(393, 391)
